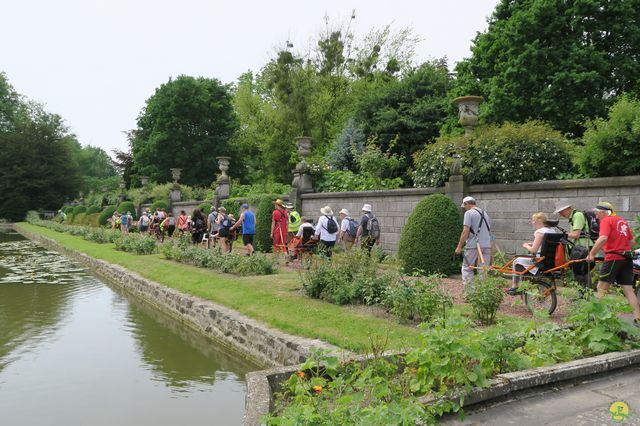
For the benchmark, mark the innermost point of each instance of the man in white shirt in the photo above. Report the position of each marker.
(348, 229)
(327, 231)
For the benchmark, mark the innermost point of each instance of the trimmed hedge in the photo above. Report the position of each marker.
(205, 208)
(233, 205)
(92, 219)
(79, 219)
(92, 210)
(106, 214)
(160, 204)
(67, 210)
(79, 209)
(128, 206)
(262, 239)
(429, 238)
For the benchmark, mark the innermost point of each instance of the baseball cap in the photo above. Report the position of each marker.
(467, 199)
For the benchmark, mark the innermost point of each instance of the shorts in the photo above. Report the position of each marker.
(223, 233)
(617, 271)
(143, 228)
(247, 239)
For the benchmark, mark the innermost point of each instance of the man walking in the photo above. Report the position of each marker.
(579, 234)
(615, 240)
(348, 229)
(248, 222)
(369, 229)
(476, 239)
(212, 226)
(327, 231)
(294, 221)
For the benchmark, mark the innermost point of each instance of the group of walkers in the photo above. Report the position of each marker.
(292, 233)
(590, 232)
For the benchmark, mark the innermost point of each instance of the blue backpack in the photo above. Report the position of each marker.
(353, 228)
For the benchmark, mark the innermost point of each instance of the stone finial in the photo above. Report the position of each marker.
(468, 107)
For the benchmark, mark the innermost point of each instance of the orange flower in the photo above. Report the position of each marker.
(317, 389)
(300, 374)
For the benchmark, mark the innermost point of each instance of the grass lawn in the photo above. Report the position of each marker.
(275, 300)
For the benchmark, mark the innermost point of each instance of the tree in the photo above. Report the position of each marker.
(407, 113)
(346, 147)
(187, 123)
(560, 61)
(38, 166)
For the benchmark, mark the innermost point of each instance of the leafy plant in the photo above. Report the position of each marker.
(107, 212)
(127, 206)
(262, 237)
(418, 299)
(485, 297)
(136, 244)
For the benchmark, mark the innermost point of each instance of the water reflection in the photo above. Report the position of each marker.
(74, 351)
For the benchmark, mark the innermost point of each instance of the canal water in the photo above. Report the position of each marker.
(74, 351)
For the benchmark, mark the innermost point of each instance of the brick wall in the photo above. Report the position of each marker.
(510, 206)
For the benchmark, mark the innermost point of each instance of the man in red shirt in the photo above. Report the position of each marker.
(279, 224)
(615, 239)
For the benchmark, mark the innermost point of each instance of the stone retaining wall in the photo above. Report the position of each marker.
(267, 346)
(509, 206)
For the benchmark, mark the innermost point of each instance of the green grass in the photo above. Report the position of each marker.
(275, 300)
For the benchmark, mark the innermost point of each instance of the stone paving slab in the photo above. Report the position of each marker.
(584, 401)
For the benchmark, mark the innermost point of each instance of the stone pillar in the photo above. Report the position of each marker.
(303, 181)
(144, 180)
(176, 194)
(121, 197)
(223, 186)
(456, 187)
(468, 107)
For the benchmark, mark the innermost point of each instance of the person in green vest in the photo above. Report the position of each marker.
(295, 220)
(579, 234)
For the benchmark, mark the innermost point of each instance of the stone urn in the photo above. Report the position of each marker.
(122, 185)
(144, 180)
(304, 146)
(468, 107)
(175, 174)
(223, 165)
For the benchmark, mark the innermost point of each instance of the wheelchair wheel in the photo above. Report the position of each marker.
(541, 296)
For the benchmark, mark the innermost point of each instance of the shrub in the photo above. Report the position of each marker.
(160, 204)
(205, 208)
(485, 297)
(509, 153)
(136, 244)
(106, 214)
(79, 209)
(102, 235)
(68, 210)
(418, 300)
(345, 180)
(611, 145)
(93, 209)
(79, 219)
(262, 237)
(127, 206)
(430, 236)
(233, 205)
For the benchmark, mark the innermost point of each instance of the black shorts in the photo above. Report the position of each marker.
(617, 272)
(247, 239)
(223, 233)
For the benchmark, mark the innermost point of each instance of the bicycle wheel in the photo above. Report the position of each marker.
(541, 296)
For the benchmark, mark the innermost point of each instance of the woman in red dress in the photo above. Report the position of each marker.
(279, 222)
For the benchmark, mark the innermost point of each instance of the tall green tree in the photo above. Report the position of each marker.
(561, 61)
(185, 124)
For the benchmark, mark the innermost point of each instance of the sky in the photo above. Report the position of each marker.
(96, 62)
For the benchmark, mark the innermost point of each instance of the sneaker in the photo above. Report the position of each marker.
(512, 291)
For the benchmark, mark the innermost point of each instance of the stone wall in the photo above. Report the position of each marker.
(265, 345)
(509, 206)
(187, 206)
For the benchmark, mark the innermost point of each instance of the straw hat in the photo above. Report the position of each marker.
(326, 210)
(561, 205)
(344, 212)
(278, 202)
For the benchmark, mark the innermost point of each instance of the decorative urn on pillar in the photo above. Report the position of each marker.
(468, 107)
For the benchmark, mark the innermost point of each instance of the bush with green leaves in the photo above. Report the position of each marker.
(485, 296)
(92, 210)
(233, 205)
(507, 153)
(92, 220)
(107, 212)
(68, 210)
(346, 180)
(418, 300)
(160, 204)
(183, 251)
(349, 278)
(102, 235)
(128, 206)
(78, 219)
(611, 146)
(79, 209)
(205, 208)
(262, 238)
(137, 244)
(429, 238)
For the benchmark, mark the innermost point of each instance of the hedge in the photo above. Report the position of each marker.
(93, 209)
(160, 204)
(127, 206)
(429, 238)
(233, 205)
(78, 219)
(262, 239)
(205, 208)
(106, 214)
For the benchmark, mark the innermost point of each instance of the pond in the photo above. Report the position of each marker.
(75, 351)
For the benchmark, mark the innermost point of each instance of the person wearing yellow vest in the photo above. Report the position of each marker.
(295, 220)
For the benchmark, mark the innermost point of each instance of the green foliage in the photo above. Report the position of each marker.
(138, 244)
(92, 219)
(346, 147)
(93, 209)
(78, 209)
(186, 123)
(160, 204)
(611, 146)
(127, 206)
(78, 219)
(39, 169)
(340, 181)
(347, 279)
(233, 206)
(485, 297)
(205, 208)
(262, 240)
(68, 210)
(418, 300)
(430, 236)
(509, 153)
(107, 212)
(562, 62)
(183, 251)
(257, 189)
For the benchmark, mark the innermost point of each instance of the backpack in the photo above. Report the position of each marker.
(124, 219)
(353, 228)
(198, 224)
(226, 222)
(593, 224)
(332, 226)
(373, 226)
